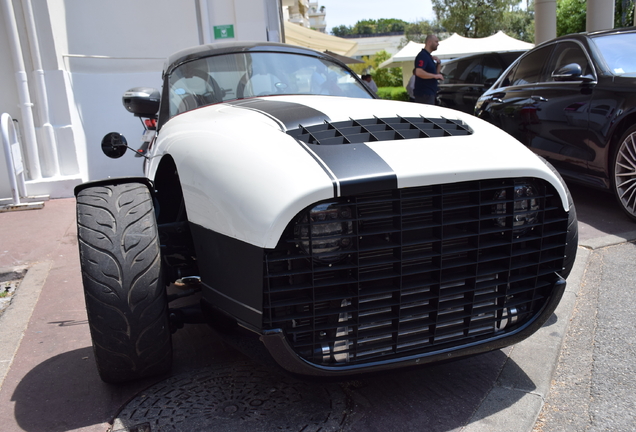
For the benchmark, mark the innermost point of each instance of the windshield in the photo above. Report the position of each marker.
(617, 50)
(236, 76)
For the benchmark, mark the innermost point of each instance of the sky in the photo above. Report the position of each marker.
(349, 12)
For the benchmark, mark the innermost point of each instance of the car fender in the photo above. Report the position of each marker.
(243, 176)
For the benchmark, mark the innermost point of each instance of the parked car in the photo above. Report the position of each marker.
(572, 101)
(467, 78)
(344, 233)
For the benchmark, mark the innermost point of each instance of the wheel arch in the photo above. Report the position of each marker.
(114, 181)
(169, 194)
(177, 242)
(625, 123)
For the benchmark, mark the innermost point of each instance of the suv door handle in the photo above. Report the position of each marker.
(496, 99)
(538, 98)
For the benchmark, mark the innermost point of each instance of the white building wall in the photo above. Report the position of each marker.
(92, 51)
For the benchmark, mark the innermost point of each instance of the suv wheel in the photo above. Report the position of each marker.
(121, 272)
(624, 172)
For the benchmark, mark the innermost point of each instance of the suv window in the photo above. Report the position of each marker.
(492, 69)
(530, 67)
(461, 71)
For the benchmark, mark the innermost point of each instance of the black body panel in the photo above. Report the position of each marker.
(232, 275)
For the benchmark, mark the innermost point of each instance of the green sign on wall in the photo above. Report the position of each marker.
(224, 31)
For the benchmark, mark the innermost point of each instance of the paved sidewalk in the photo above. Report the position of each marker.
(49, 381)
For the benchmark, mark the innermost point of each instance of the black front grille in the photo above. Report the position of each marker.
(379, 129)
(414, 271)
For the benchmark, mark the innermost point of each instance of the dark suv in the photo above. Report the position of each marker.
(572, 101)
(467, 78)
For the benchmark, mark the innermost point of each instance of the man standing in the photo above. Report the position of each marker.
(427, 72)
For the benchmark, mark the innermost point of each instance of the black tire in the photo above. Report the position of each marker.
(123, 288)
(572, 239)
(623, 171)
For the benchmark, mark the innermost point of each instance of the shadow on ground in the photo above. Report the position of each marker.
(60, 393)
(224, 390)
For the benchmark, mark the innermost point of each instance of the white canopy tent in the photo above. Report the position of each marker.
(459, 46)
(455, 46)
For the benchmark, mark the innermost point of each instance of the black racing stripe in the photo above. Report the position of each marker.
(291, 114)
(358, 168)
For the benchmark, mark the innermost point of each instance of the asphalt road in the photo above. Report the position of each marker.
(593, 386)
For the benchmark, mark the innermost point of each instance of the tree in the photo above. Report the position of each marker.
(624, 13)
(364, 27)
(341, 31)
(571, 15)
(370, 27)
(472, 18)
(390, 25)
(385, 77)
(519, 23)
(417, 31)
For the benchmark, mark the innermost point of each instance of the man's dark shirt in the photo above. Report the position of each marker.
(425, 61)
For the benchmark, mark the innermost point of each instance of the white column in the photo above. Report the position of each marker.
(544, 20)
(31, 146)
(205, 21)
(48, 145)
(600, 15)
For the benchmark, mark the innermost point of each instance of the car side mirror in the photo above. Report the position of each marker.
(569, 72)
(114, 145)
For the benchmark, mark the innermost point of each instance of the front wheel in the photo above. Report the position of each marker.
(121, 272)
(624, 172)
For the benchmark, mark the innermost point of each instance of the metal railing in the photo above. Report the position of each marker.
(15, 167)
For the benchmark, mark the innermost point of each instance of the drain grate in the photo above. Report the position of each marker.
(242, 396)
(9, 282)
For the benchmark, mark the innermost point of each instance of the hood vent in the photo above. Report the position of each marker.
(379, 129)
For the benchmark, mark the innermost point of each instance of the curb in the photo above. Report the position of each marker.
(15, 319)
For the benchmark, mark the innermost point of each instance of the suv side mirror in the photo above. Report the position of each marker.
(569, 72)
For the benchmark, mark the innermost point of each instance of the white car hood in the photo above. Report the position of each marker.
(247, 177)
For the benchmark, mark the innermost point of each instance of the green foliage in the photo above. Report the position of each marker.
(571, 15)
(385, 77)
(519, 23)
(362, 68)
(472, 18)
(341, 31)
(624, 13)
(393, 93)
(417, 31)
(371, 26)
(364, 27)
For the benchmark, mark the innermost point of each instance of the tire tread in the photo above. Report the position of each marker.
(121, 272)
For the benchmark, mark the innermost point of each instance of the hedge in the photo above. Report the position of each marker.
(393, 93)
